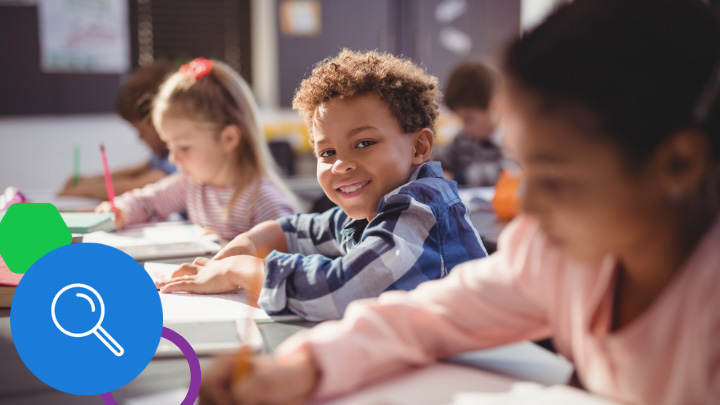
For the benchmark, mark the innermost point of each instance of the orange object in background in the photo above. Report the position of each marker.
(508, 194)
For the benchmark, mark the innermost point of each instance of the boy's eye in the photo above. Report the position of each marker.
(326, 153)
(364, 144)
(184, 148)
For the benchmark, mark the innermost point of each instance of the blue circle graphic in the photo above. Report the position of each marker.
(86, 319)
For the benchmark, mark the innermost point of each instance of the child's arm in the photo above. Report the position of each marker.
(258, 241)
(123, 180)
(157, 200)
(239, 264)
(399, 249)
(483, 303)
(282, 235)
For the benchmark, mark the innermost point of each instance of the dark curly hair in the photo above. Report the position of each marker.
(410, 93)
(135, 98)
(638, 66)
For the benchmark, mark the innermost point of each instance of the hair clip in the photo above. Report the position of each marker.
(197, 68)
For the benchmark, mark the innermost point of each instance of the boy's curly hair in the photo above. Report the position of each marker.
(409, 92)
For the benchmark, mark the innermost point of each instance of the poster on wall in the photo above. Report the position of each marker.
(84, 36)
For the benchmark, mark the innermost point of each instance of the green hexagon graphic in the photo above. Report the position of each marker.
(28, 231)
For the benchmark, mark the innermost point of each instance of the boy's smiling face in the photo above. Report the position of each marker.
(363, 153)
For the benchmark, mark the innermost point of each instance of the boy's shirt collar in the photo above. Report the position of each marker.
(354, 228)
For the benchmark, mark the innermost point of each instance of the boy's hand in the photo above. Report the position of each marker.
(290, 380)
(120, 218)
(190, 269)
(218, 276)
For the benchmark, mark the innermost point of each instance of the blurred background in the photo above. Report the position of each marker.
(64, 61)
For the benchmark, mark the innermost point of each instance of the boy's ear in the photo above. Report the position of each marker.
(683, 160)
(230, 137)
(422, 146)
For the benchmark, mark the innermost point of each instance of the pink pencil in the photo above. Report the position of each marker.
(108, 180)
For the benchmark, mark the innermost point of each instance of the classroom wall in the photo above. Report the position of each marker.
(37, 152)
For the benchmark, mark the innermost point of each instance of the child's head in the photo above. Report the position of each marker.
(469, 94)
(134, 102)
(604, 109)
(370, 117)
(207, 115)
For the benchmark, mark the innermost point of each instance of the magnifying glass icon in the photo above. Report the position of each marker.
(96, 330)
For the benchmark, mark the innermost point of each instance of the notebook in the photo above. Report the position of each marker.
(9, 280)
(87, 222)
(8, 283)
(159, 241)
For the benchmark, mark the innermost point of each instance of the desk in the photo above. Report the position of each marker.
(18, 386)
(489, 227)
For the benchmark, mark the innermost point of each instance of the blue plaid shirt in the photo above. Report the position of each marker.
(421, 231)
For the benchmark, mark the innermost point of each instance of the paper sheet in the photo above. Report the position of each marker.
(523, 393)
(161, 240)
(184, 307)
(173, 397)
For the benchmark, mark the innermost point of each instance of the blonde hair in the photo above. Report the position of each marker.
(219, 99)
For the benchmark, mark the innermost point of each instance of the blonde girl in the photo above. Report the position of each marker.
(227, 182)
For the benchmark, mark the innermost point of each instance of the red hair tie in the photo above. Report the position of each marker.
(197, 68)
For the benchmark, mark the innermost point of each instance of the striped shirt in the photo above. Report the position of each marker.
(205, 205)
(421, 231)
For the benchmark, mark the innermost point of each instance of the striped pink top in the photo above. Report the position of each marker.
(205, 205)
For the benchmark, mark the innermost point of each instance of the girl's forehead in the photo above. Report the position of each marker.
(179, 128)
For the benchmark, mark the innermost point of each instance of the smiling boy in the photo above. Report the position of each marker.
(398, 222)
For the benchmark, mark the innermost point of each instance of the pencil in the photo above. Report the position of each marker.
(108, 180)
(76, 165)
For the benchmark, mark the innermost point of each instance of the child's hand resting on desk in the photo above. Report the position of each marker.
(120, 218)
(260, 380)
(206, 276)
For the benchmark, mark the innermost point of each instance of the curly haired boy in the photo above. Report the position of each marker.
(398, 222)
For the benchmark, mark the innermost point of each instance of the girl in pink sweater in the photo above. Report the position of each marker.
(611, 107)
(207, 116)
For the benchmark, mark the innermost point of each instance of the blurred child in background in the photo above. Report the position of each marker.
(474, 157)
(133, 105)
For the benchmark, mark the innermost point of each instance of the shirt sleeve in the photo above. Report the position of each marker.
(154, 201)
(482, 303)
(392, 252)
(270, 204)
(309, 234)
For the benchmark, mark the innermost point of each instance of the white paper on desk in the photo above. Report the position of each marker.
(524, 360)
(160, 240)
(185, 307)
(434, 384)
(531, 394)
(173, 397)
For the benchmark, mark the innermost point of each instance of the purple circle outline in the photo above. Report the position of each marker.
(193, 361)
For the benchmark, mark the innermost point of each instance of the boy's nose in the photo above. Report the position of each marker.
(171, 157)
(343, 166)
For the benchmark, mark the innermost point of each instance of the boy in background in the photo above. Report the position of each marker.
(133, 104)
(473, 158)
